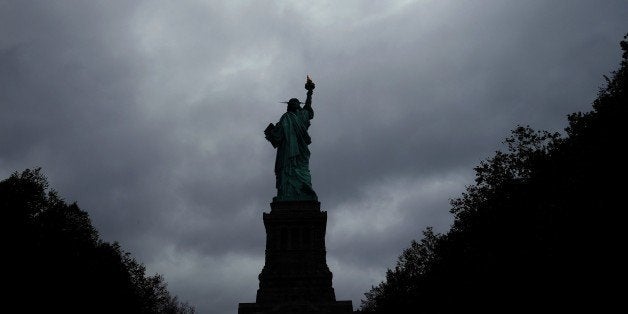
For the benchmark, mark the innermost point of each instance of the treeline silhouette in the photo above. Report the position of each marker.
(540, 230)
(56, 262)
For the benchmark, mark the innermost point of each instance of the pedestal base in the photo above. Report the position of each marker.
(295, 277)
(336, 307)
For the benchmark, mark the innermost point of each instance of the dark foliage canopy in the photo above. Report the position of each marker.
(58, 264)
(539, 230)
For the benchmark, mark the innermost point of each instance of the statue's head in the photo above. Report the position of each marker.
(294, 105)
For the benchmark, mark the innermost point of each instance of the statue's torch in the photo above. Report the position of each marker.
(309, 85)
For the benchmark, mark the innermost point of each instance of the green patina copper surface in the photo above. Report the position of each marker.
(289, 136)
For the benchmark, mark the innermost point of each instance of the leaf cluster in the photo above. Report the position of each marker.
(539, 230)
(58, 263)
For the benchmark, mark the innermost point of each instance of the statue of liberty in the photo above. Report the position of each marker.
(289, 136)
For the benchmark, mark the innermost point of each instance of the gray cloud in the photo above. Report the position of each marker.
(150, 116)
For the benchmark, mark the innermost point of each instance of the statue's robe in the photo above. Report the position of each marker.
(292, 170)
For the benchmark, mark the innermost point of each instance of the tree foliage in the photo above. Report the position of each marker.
(539, 229)
(57, 262)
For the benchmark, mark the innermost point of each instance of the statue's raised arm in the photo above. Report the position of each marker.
(291, 139)
(309, 86)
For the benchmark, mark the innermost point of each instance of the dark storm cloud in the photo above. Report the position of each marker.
(150, 116)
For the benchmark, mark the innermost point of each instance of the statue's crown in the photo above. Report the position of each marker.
(293, 100)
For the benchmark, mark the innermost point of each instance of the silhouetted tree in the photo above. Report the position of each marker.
(539, 230)
(57, 263)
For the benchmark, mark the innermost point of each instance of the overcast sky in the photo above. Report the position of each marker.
(150, 115)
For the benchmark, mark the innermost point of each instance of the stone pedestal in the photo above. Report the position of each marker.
(295, 277)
